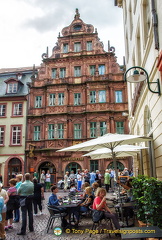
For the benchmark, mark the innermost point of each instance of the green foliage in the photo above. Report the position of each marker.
(148, 195)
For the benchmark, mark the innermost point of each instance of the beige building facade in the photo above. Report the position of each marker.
(143, 47)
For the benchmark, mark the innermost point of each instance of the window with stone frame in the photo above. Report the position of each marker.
(77, 46)
(77, 98)
(92, 96)
(118, 96)
(37, 133)
(77, 131)
(92, 70)
(101, 69)
(93, 129)
(102, 96)
(16, 134)
(120, 127)
(2, 110)
(52, 99)
(62, 72)
(38, 101)
(60, 130)
(2, 134)
(51, 131)
(77, 71)
(54, 73)
(17, 109)
(103, 128)
(65, 47)
(61, 99)
(89, 45)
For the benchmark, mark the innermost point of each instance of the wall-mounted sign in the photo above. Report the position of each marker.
(72, 159)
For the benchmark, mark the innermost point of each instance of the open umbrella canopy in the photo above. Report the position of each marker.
(119, 151)
(109, 140)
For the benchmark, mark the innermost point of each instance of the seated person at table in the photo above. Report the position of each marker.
(86, 184)
(73, 189)
(54, 201)
(84, 206)
(99, 204)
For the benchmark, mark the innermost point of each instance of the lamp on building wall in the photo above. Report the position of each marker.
(140, 75)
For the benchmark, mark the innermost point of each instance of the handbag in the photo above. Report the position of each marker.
(22, 202)
(97, 215)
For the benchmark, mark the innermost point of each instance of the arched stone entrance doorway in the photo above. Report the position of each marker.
(14, 168)
(73, 166)
(48, 166)
(120, 166)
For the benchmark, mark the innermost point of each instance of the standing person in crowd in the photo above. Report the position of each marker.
(42, 180)
(1, 220)
(48, 181)
(87, 176)
(100, 205)
(79, 180)
(66, 178)
(72, 177)
(1, 180)
(12, 203)
(26, 191)
(38, 195)
(3, 193)
(82, 173)
(35, 175)
(125, 172)
(98, 177)
(92, 177)
(107, 180)
(18, 184)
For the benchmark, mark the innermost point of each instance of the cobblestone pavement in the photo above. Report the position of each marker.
(40, 223)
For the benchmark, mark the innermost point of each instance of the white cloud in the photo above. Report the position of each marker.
(29, 26)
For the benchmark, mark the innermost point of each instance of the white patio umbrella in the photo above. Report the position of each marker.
(119, 151)
(109, 141)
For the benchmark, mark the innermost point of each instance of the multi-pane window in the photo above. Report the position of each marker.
(38, 101)
(52, 99)
(102, 96)
(77, 131)
(61, 99)
(60, 130)
(51, 131)
(17, 109)
(16, 135)
(92, 70)
(54, 72)
(2, 131)
(120, 127)
(103, 128)
(118, 97)
(12, 88)
(65, 48)
(77, 71)
(77, 47)
(93, 129)
(2, 110)
(36, 133)
(89, 46)
(62, 72)
(77, 98)
(92, 96)
(93, 165)
(101, 69)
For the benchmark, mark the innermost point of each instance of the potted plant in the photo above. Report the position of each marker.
(147, 193)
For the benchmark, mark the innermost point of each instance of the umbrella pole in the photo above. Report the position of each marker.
(116, 173)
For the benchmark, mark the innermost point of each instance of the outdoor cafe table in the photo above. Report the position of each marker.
(125, 205)
(141, 232)
(73, 204)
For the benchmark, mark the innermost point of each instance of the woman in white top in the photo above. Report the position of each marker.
(66, 178)
(48, 180)
(79, 180)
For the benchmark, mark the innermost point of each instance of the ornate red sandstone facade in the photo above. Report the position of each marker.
(75, 90)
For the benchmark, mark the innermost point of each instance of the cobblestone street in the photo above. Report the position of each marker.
(40, 223)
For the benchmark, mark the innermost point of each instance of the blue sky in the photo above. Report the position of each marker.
(28, 26)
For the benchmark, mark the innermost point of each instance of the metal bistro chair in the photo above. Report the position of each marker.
(54, 213)
(98, 223)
